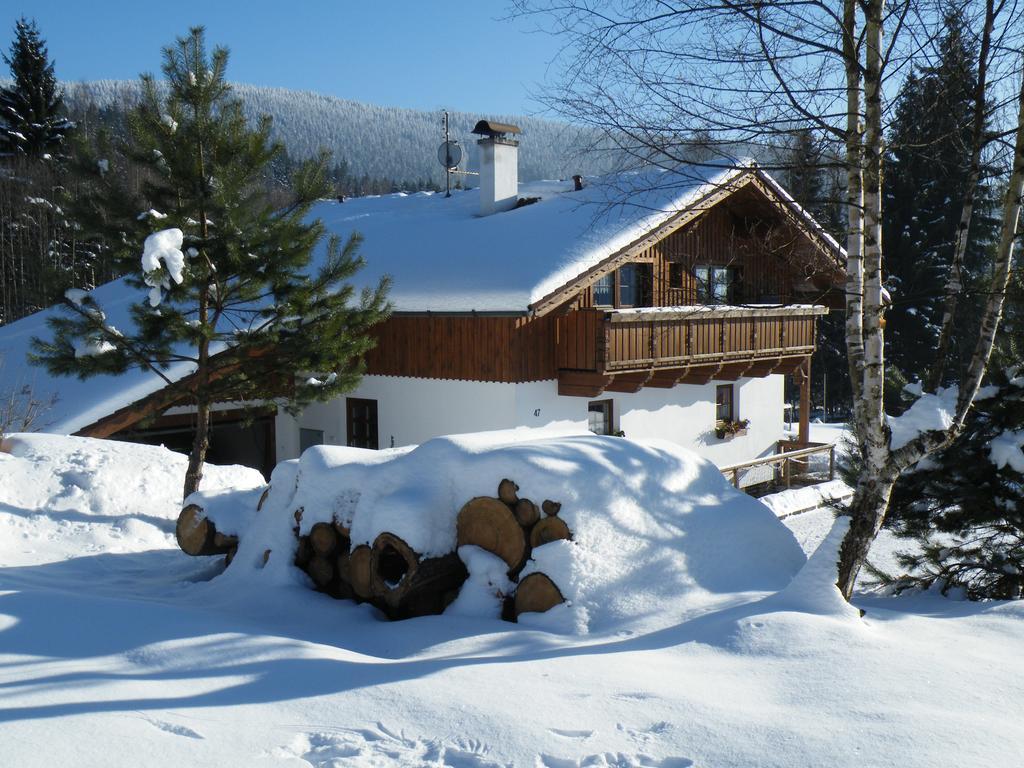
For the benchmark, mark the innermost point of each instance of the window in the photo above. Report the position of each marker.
(675, 275)
(604, 291)
(631, 285)
(599, 417)
(629, 290)
(716, 285)
(362, 422)
(310, 437)
(724, 402)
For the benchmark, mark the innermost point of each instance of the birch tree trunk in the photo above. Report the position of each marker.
(855, 206)
(865, 350)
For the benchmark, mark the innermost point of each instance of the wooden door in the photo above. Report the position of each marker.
(361, 418)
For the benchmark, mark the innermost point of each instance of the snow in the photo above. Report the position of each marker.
(164, 246)
(90, 347)
(627, 503)
(64, 497)
(443, 254)
(813, 590)
(797, 500)
(1007, 449)
(112, 642)
(76, 296)
(931, 411)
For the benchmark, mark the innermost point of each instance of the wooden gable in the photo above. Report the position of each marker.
(748, 224)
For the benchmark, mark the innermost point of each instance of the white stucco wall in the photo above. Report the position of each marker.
(411, 411)
(684, 414)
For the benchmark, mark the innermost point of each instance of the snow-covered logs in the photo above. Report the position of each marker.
(197, 535)
(399, 581)
(511, 528)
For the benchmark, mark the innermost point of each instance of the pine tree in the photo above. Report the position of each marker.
(965, 506)
(38, 250)
(926, 174)
(230, 286)
(31, 122)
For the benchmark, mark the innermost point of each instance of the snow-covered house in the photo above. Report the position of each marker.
(657, 304)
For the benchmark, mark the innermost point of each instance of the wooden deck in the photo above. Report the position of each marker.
(623, 350)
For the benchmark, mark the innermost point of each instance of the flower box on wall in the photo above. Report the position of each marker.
(728, 429)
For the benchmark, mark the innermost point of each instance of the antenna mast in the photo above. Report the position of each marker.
(448, 165)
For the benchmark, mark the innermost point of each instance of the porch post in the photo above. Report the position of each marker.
(804, 374)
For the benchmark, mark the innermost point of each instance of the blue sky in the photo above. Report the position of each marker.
(426, 55)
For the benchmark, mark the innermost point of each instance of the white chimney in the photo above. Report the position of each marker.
(499, 166)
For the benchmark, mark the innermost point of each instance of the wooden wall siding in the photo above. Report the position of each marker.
(645, 343)
(470, 347)
(743, 231)
(577, 339)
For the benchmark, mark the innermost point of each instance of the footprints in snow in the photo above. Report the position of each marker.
(613, 760)
(176, 730)
(571, 734)
(382, 746)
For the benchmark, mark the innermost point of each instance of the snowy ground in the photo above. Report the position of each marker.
(116, 649)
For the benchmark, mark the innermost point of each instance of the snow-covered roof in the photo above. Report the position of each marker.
(444, 257)
(440, 253)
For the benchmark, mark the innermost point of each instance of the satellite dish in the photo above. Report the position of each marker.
(449, 154)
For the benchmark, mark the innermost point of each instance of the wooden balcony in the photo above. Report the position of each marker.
(624, 350)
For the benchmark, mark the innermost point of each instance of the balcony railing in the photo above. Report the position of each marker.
(623, 341)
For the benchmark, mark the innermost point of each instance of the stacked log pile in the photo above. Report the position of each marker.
(511, 528)
(398, 580)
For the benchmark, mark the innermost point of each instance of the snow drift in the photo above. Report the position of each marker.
(657, 531)
(62, 496)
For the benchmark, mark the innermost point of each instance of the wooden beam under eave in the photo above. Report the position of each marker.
(628, 382)
(582, 383)
(764, 368)
(701, 374)
(666, 378)
(733, 371)
(789, 364)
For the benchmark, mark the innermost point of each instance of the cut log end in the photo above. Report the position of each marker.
(197, 535)
(393, 566)
(507, 492)
(551, 508)
(537, 593)
(549, 529)
(321, 571)
(526, 512)
(489, 524)
(359, 572)
(324, 539)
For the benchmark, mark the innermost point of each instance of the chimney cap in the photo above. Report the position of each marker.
(492, 128)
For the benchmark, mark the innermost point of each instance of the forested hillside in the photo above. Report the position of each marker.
(374, 141)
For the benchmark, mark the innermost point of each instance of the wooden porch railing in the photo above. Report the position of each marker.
(788, 464)
(609, 342)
